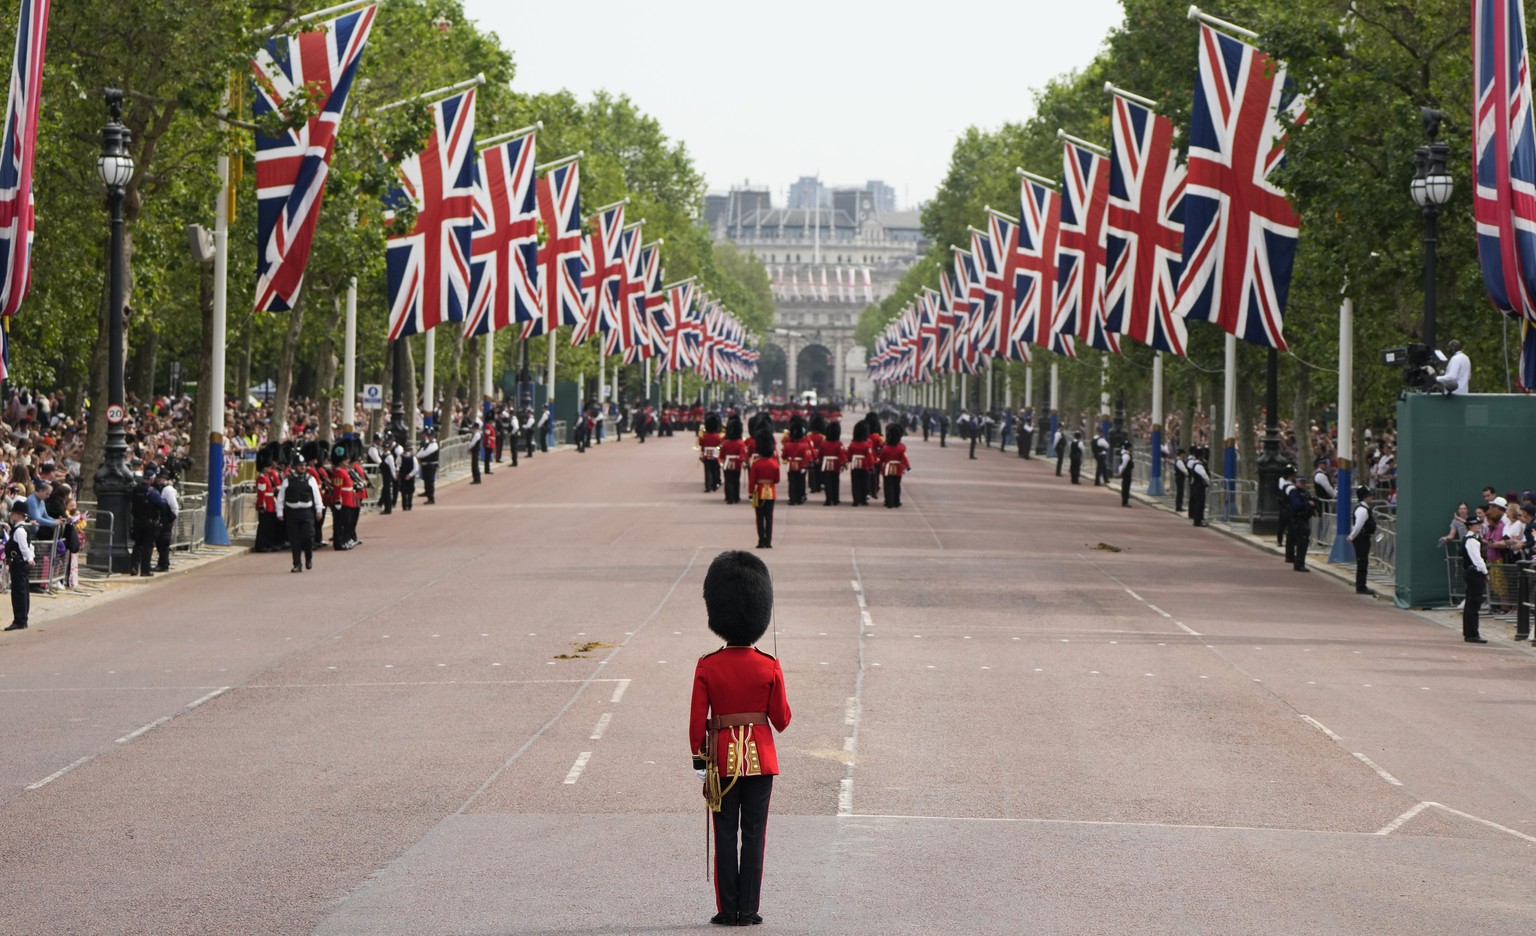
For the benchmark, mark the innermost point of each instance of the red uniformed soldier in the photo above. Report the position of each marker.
(893, 464)
(797, 458)
(831, 459)
(763, 480)
(709, 452)
(341, 506)
(876, 443)
(733, 458)
(738, 692)
(814, 438)
(268, 539)
(861, 458)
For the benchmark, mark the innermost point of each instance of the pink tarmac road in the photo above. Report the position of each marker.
(476, 724)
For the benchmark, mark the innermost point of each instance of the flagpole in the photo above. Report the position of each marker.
(550, 401)
(442, 92)
(429, 381)
(349, 364)
(1343, 550)
(1196, 16)
(318, 14)
(215, 532)
(1229, 421)
(1155, 482)
(487, 385)
(1055, 398)
(489, 142)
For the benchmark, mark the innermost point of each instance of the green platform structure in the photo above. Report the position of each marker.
(1448, 449)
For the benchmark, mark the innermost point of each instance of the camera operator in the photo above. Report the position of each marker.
(1458, 371)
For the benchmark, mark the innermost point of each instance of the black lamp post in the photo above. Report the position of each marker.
(1270, 466)
(1431, 189)
(397, 426)
(113, 480)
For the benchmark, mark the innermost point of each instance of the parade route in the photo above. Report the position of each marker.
(1018, 708)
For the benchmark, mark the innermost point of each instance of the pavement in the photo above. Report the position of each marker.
(1017, 706)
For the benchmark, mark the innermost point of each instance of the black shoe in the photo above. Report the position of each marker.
(1469, 639)
(15, 626)
(1364, 591)
(474, 482)
(295, 569)
(723, 919)
(308, 565)
(164, 568)
(1302, 569)
(748, 919)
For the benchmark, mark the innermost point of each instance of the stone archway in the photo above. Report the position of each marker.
(816, 370)
(773, 371)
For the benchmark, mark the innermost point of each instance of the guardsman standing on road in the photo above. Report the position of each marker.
(797, 456)
(1127, 465)
(1199, 482)
(18, 561)
(738, 693)
(1180, 478)
(426, 458)
(1360, 537)
(343, 492)
(763, 478)
(298, 505)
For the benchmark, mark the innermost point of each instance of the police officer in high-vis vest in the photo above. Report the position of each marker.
(739, 701)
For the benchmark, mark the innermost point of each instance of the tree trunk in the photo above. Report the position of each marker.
(1301, 423)
(279, 408)
(202, 416)
(144, 364)
(476, 355)
(451, 389)
(325, 388)
(412, 400)
(1247, 406)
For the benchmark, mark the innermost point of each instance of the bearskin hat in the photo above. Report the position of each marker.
(797, 427)
(738, 596)
(861, 431)
(764, 441)
(893, 433)
(711, 422)
(818, 422)
(733, 428)
(834, 431)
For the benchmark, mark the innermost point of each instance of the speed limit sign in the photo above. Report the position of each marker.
(115, 413)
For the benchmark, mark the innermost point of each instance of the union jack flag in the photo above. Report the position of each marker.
(944, 315)
(985, 294)
(602, 271)
(1239, 228)
(654, 320)
(928, 335)
(16, 159)
(560, 299)
(629, 331)
(1039, 233)
(505, 244)
(679, 313)
(291, 169)
(965, 310)
(429, 267)
(1504, 205)
(1004, 233)
(1146, 229)
(1080, 248)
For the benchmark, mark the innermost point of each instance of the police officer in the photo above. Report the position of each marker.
(18, 561)
(389, 467)
(1100, 459)
(1360, 537)
(145, 507)
(298, 506)
(1059, 446)
(1477, 585)
(476, 435)
(1075, 457)
(426, 460)
(1180, 478)
(170, 509)
(1026, 434)
(1127, 466)
(405, 476)
(1287, 484)
(1199, 482)
(1300, 520)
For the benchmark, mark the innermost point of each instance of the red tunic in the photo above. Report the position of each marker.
(893, 460)
(861, 456)
(733, 454)
(341, 486)
(266, 491)
(738, 681)
(876, 443)
(709, 444)
(797, 454)
(763, 478)
(832, 450)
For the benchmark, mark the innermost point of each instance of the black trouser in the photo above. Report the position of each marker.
(1477, 589)
(974, 434)
(1125, 489)
(925, 430)
(487, 453)
(764, 523)
(387, 491)
(318, 539)
(1077, 469)
(797, 487)
(269, 533)
(474, 469)
(501, 445)
(341, 526)
(893, 490)
(858, 479)
(513, 447)
(1283, 531)
(1178, 492)
(301, 534)
(711, 476)
(21, 593)
(1100, 470)
(429, 482)
(814, 476)
(144, 534)
(733, 487)
(832, 487)
(739, 873)
(1299, 539)
(163, 545)
(543, 440)
(943, 436)
(407, 491)
(1061, 456)
(528, 438)
(1197, 503)
(1362, 546)
(1026, 439)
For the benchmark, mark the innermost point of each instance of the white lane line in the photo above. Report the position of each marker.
(58, 773)
(1489, 824)
(578, 767)
(618, 691)
(851, 713)
(856, 586)
(209, 697)
(1397, 823)
(1134, 595)
(429, 682)
(855, 706)
(1376, 767)
(1166, 616)
(845, 795)
(1321, 727)
(1156, 608)
(138, 731)
(1100, 822)
(602, 725)
(553, 719)
(1187, 629)
(865, 619)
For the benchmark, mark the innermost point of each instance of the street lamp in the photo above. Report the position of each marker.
(1431, 189)
(113, 480)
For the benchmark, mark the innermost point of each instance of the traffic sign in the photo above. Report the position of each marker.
(115, 414)
(373, 396)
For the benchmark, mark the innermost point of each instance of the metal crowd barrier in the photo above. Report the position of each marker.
(1384, 546)
(1525, 602)
(1232, 501)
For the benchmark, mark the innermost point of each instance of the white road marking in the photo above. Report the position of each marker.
(1100, 822)
(866, 620)
(1376, 767)
(602, 725)
(578, 767)
(57, 774)
(209, 697)
(855, 707)
(138, 731)
(1159, 610)
(1397, 823)
(856, 586)
(1489, 824)
(1134, 595)
(618, 691)
(1320, 727)
(851, 713)
(845, 795)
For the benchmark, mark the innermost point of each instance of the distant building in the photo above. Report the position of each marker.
(829, 255)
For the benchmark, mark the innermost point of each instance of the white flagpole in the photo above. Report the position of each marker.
(1029, 386)
(429, 382)
(214, 529)
(488, 384)
(349, 363)
(1155, 459)
(1229, 416)
(1343, 550)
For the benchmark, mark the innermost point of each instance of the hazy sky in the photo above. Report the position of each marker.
(768, 92)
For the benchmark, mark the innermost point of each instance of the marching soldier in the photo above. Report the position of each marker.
(860, 460)
(733, 457)
(298, 505)
(709, 452)
(893, 464)
(830, 458)
(797, 456)
(268, 539)
(739, 700)
(359, 497)
(814, 438)
(1199, 482)
(763, 477)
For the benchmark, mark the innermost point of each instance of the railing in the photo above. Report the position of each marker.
(1232, 500)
